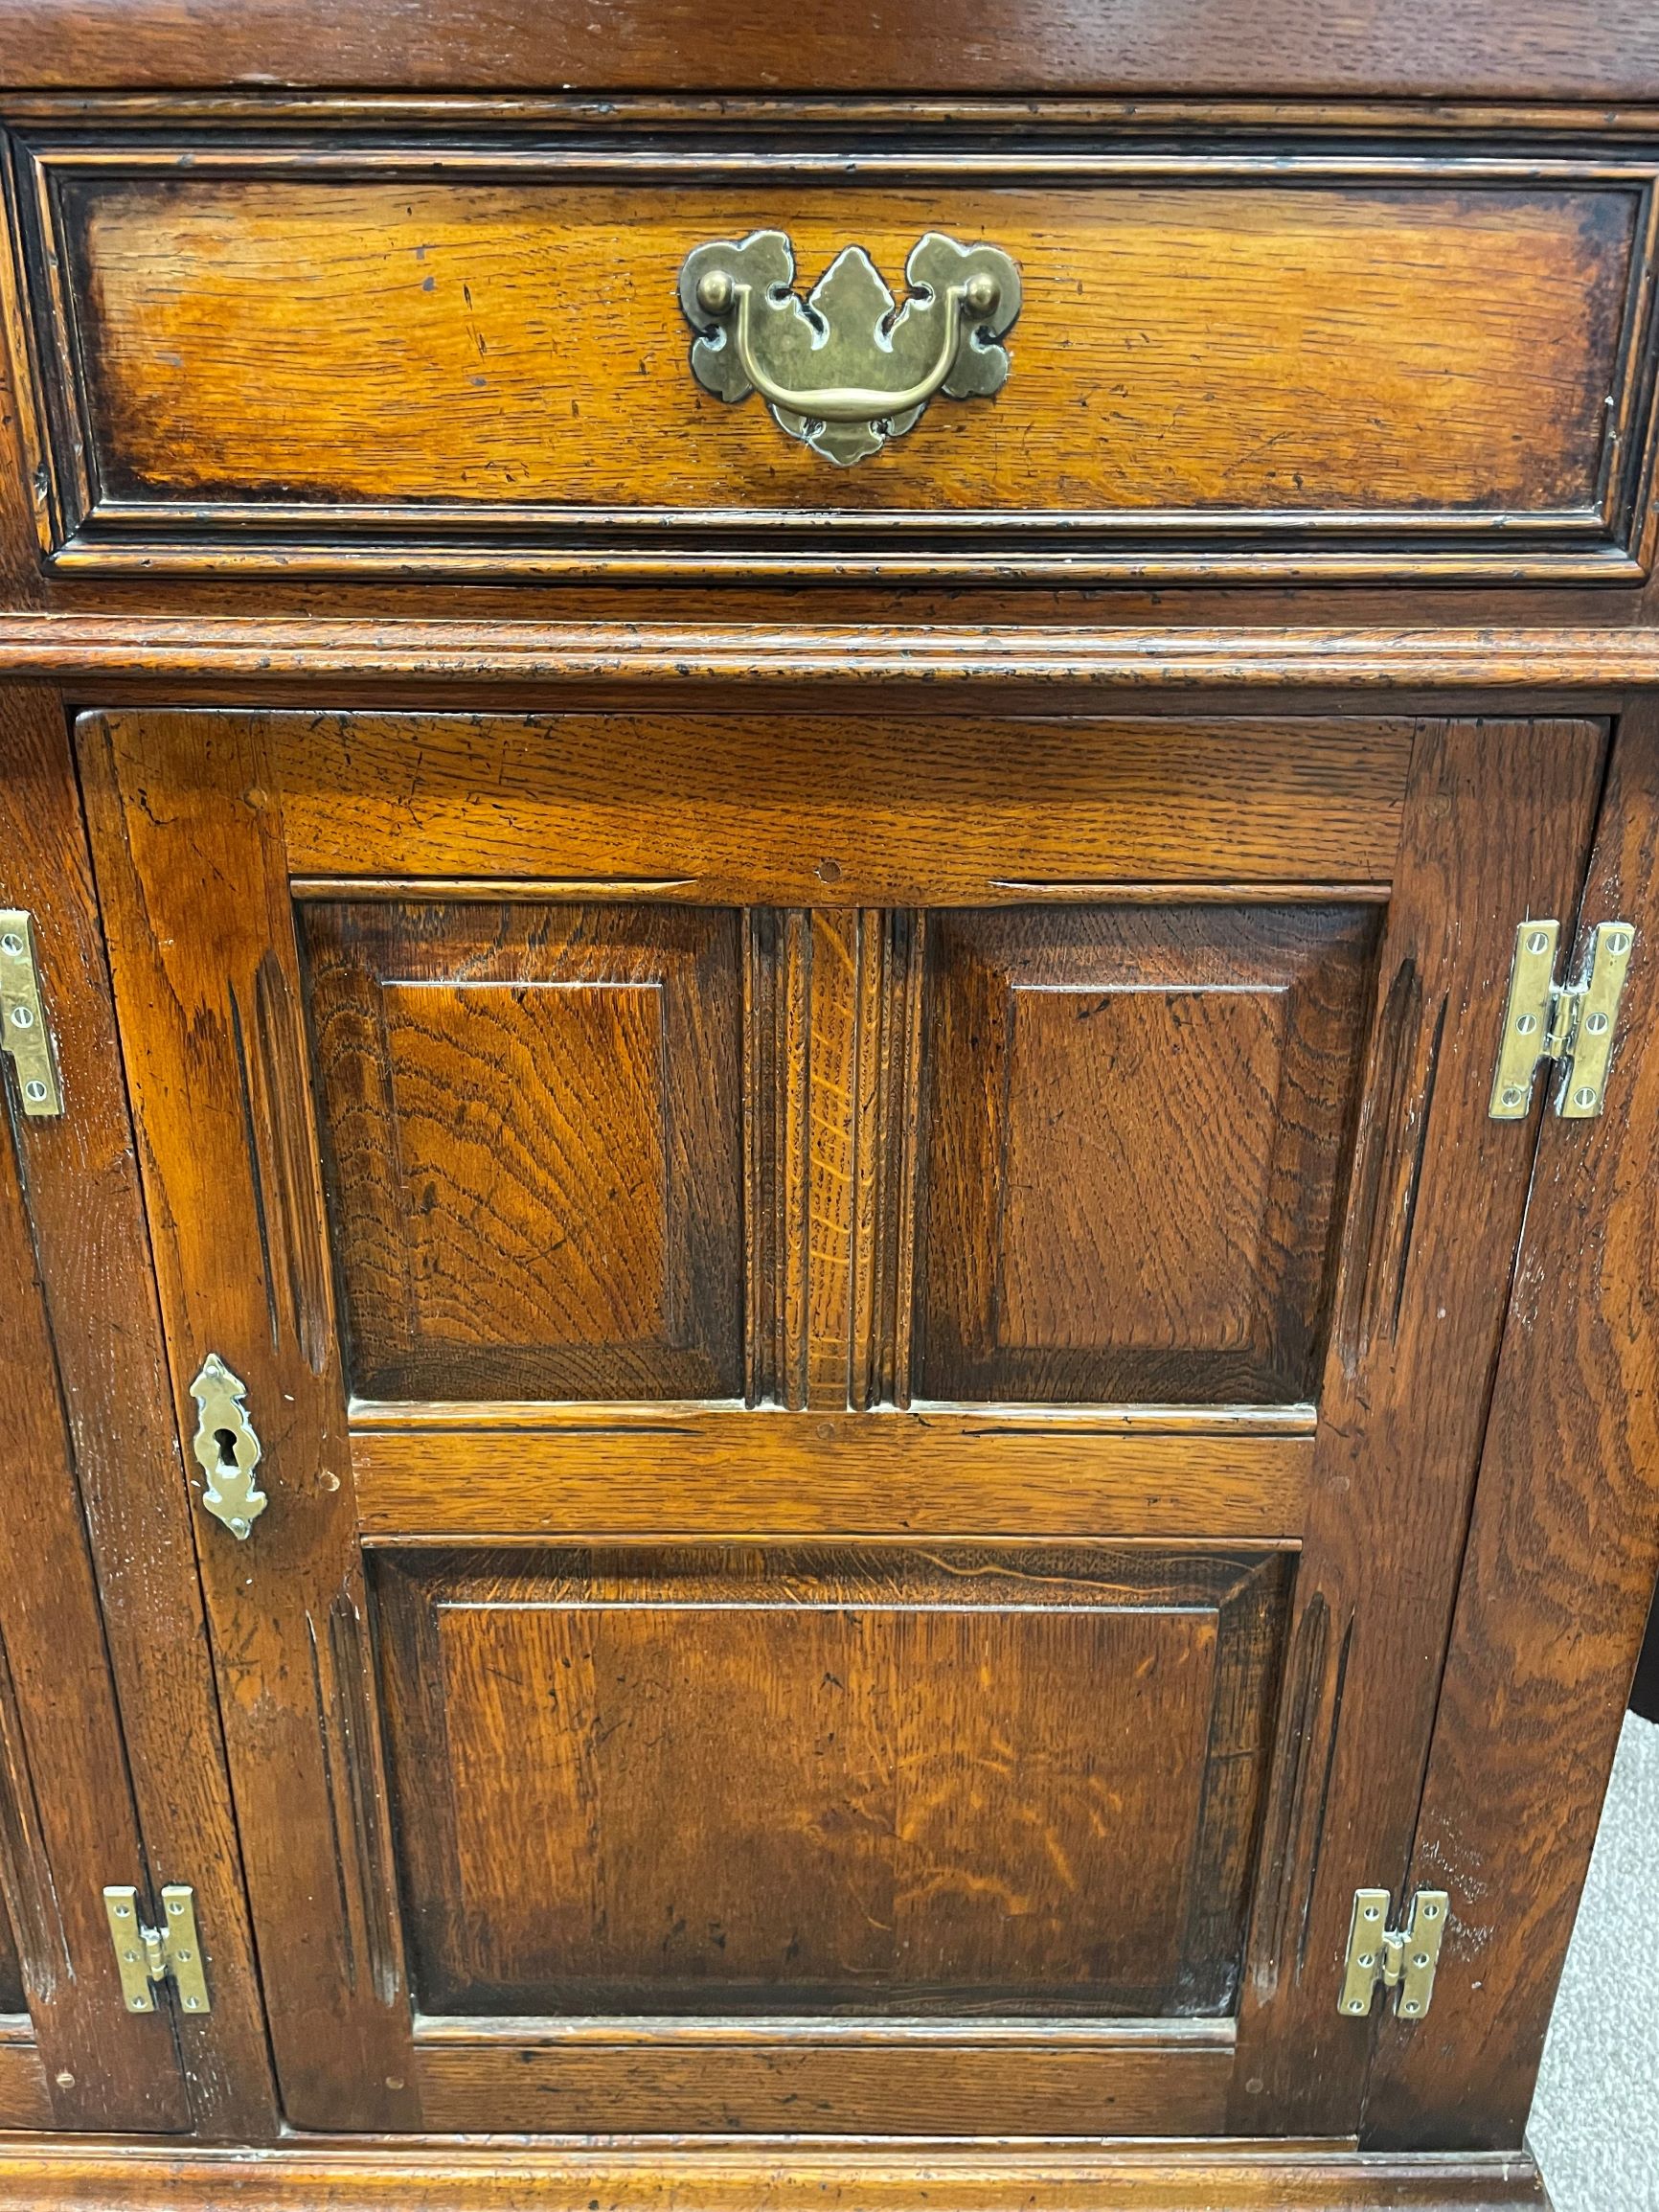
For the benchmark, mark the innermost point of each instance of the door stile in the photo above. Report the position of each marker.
(187, 831)
(66, 1816)
(86, 1218)
(1437, 1198)
(1563, 1553)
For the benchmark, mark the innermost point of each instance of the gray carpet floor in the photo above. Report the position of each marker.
(1595, 2125)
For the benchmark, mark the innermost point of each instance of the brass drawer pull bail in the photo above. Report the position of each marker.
(845, 369)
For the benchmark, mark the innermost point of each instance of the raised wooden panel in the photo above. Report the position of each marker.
(809, 1781)
(531, 1123)
(1360, 363)
(1135, 1125)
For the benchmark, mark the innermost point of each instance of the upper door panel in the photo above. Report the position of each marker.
(1135, 1122)
(532, 1139)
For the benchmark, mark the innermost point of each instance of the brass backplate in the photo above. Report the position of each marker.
(226, 1448)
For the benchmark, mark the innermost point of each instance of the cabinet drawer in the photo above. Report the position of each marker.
(1408, 365)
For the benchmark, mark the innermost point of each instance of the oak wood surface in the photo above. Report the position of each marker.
(86, 1217)
(531, 1131)
(67, 1823)
(1556, 49)
(205, 971)
(974, 1783)
(892, 810)
(25, 2097)
(699, 1470)
(1563, 1553)
(1372, 258)
(1435, 1206)
(66, 2176)
(1134, 1131)
(334, 658)
(823, 2089)
(408, 355)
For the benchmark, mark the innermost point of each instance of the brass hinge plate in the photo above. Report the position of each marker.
(147, 1955)
(1573, 1024)
(1401, 1959)
(23, 1030)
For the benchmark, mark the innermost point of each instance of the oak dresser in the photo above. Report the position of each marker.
(829, 970)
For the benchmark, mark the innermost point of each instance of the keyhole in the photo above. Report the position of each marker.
(225, 1439)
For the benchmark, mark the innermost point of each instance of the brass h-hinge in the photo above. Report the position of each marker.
(144, 1955)
(23, 1030)
(1573, 1024)
(1402, 1959)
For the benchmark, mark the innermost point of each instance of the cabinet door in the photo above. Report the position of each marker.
(70, 2054)
(869, 1343)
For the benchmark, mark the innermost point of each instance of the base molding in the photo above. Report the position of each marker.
(79, 2176)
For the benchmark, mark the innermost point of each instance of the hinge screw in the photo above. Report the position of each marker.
(1537, 941)
(1619, 942)
(1513, 1094)
(10, 945)
(1527, 1024)
(1596, 1024)
(1584, 1096)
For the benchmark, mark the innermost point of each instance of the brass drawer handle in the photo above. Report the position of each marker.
(815, 362)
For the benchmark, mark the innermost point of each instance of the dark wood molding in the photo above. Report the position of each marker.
(63, 2175)
(1553, 49)
(234, 655)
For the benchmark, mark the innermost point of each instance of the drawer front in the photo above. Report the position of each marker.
(1412, 365)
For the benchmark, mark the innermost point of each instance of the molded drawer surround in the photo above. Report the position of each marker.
(1343, 360)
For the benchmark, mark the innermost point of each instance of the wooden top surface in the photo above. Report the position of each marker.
(1593, 49)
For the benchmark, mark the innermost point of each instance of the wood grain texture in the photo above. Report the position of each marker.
(899, 810)
(1549, 48)
(1562, 1552)
(87, 1220)
(701, 1471)
(259, 658)
(1135, 1125)
(67, 1823)
(530, 1126)
(832, 1041)
(1438, 1193)
(186, 843)
(246, 346)
(67, 2177)
(25, 2099)
(972, 1783)
(826, 2088)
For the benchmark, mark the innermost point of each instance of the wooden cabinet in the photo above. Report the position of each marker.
(785, 1387)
